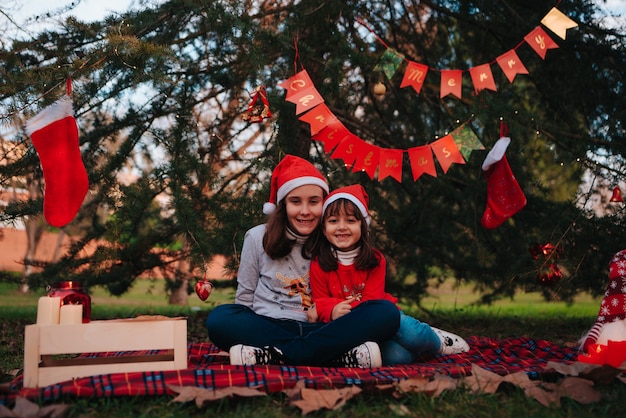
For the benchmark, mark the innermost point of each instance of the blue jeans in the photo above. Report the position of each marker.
(303, 343)
(413, 339)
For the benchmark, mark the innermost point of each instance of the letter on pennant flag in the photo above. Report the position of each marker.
(422, 161)
(482, 78)
(318, 118)
(447, 152)
(557, 22)
(390, 164)
(297, 84)
(414, 76)
(367, 159)
(307, 100)
(331, 135)
(347, 150)
(511, 64)
(451, 83)
(466, 140)
(389, 62)
(540, 41)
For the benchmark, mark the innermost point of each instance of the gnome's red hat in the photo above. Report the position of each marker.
(613, 305)
(354, 193)
(290, 173)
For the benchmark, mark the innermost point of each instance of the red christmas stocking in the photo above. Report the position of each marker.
(504, 195)
(55, 136)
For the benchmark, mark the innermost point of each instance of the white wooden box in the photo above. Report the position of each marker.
(43, 342)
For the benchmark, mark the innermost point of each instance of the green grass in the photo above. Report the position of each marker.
(449, 308)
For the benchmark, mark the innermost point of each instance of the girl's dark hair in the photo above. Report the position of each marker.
(326, 253)
(275, 241)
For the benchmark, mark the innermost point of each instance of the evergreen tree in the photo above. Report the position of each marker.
(160, 93)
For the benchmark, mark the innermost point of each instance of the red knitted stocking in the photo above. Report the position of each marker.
(55, 136)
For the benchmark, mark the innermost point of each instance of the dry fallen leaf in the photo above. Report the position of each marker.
(309, 400)
(202, 395)
(26, 409)
(482, 381)
(573, 369)
(579, 389)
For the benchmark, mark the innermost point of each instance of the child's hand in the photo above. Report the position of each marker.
(341, 309)
(311, 314)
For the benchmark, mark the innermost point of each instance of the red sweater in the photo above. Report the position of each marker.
(330, 288)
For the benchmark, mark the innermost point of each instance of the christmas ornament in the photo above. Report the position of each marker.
(203, 289)
(259, 107)
(504, 195)
(617, 195)
(380, 89)
(550, 275)
(55, 137)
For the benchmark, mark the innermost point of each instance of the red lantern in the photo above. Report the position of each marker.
(617, 195)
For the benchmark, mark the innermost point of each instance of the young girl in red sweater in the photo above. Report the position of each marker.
(347, 270)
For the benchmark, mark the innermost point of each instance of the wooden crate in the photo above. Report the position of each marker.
(50, 350)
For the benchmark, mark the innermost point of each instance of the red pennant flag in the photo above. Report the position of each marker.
(511, 64)
(447, 152)
(318, 118)
(482, 78)
(297, 84)
(347, 149)
(390, 164)
(540, 41)
(414, 76)
(331, 135)
(422, 161)
(306, 100)
(367, 159)
(451, 83)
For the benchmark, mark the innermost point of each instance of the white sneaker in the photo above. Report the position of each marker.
(451, 343)
(246, 354)
(365, 356)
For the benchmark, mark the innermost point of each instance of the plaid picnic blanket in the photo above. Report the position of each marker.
(208, 368)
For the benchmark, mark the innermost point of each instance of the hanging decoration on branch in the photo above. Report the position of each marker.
(451, 80)
(259, 107)
(504, 195)
(617, 195)
(54, 134)
(359, 155)
(203, 288)
(549, 272)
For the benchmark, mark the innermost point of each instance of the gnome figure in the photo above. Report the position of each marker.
(611, 322)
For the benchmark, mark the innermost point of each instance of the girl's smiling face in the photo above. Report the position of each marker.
(343, 228)
(304, 208)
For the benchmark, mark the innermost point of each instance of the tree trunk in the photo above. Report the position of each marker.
(179, 294)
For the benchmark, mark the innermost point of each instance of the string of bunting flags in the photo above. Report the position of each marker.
(454, 148)
(481, 75)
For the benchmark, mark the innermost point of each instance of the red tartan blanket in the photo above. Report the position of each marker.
(208, 369)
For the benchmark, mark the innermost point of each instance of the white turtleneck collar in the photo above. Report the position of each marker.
(300, 239)
(347, 257)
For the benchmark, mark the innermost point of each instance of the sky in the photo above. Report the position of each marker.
(91, 10)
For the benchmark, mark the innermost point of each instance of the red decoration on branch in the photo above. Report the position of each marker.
(259, 107)
(617, 195)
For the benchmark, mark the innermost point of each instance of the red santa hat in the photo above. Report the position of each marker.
(613, 305)
(290, 173)
(354, 193)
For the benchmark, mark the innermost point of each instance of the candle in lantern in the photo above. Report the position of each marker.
(48, 309)
(71, 314)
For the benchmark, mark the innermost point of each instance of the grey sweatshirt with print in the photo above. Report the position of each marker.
(275, 288)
